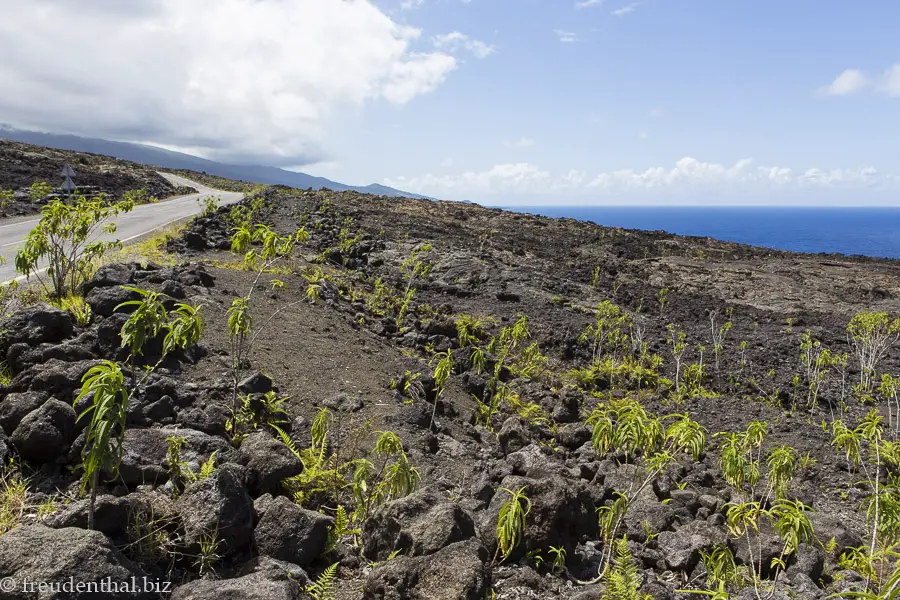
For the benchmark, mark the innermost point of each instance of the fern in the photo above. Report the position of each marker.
(623, 580)
(287, 441)
(320, 473)
(340, 528)
(323, 587)
(209, 467)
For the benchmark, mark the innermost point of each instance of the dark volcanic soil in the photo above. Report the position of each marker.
(346, 352)
(21, 165)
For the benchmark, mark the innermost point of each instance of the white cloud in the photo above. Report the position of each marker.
(522, 142)
(184, 74)
(574, 178)
(849, 82)
(890, 81)
(455, 40)
(630, 8)
(588, 3)
(688, 175)
(410, 4)
(498, 179)
(566, 37)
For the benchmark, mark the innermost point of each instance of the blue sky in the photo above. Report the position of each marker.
(718, 81)
(505, 102)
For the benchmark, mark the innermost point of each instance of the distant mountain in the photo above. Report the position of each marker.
(167, 159)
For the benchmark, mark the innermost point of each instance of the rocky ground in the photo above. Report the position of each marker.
(517, 422)
(21, 165)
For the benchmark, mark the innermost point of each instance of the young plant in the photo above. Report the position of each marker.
(888, 391)
(623, 580)
(138, 197)
(719, 332)
(262, 248)
(257, 411)
(469, 330)
(209, 205)
(77, 307)
(104, 384)
(323, 588)
(415, 266)
(66, 239)
(7, 197)
(511, 522)
(559, 559)
(607, 332)
(679, 347)
(105, 433)
(39, 191)
(816, 359)
(209, 556)
(441, 375)
(871, 335)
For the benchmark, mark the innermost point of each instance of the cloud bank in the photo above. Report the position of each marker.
(688, 177)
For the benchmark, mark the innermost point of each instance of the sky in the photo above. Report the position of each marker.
(503, 102)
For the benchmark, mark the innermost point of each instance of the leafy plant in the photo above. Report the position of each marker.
(105, 433)
(441, 375)
(146, 322)
(209, 205)
(511, 521)
(104, 384)
(206, 559)
(607, 332)
(66, 239)
(256, 411)
(679, 347)
(871, 335)
(13, 497)
(262, 248)
(721, 568)
(39, 191)
(180, 473)
(415, 266)
(719, 332)
(7, 197)
(559, 558)
(782, 461)
(77, 307)
(469, 330)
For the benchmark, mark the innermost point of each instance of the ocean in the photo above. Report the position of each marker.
(867, 231)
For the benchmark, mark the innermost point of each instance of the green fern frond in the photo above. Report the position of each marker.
(208, 467)
(287, 441)
(323, 587)
(623, 580)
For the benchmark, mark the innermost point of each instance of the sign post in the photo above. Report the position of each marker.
(68, 185)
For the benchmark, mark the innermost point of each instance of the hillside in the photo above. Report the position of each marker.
(177, 161)
(21, 165)
(424, 369)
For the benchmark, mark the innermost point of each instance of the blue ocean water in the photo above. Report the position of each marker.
(868, 231)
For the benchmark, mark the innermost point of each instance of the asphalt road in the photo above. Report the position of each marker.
(129, 226)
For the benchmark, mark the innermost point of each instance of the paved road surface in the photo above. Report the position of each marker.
(140, 221)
